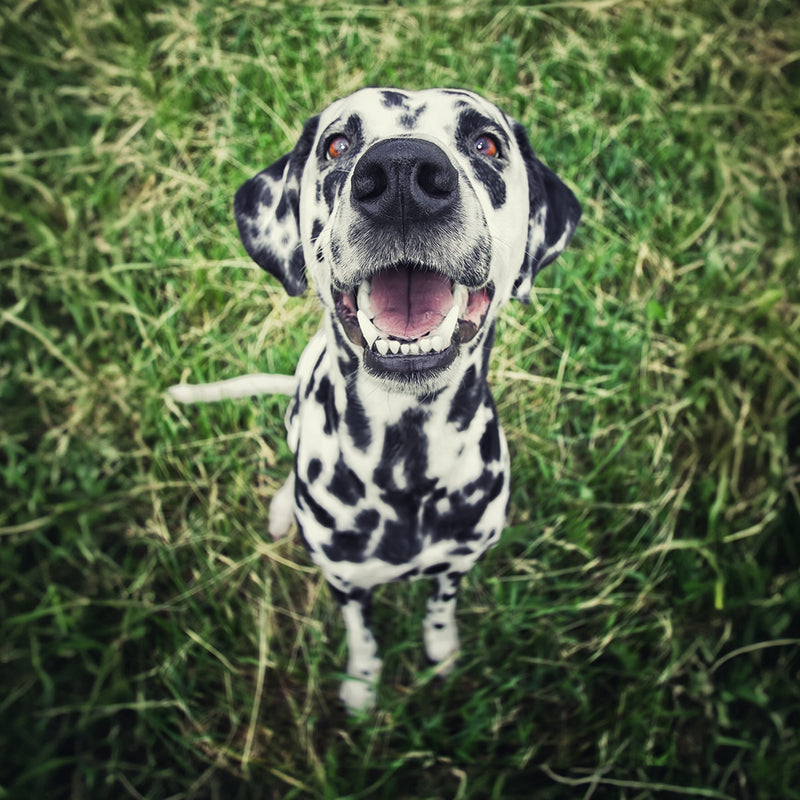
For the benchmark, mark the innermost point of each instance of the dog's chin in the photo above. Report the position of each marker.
(416, 374)
(411, 323)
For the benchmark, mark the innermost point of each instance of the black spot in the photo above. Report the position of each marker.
(316, 229)
(400, 543)
(312, 379)
(292, 412)
(496, 487)
(405, 443)
(314, 469)
(488, 484)
(412, 573)
(486, 171)
(325, 397)
(304, 499)
(355, 417)
(354, 130)
(490, 442)
(488, 343)
(456, 93)
(392, 99)
(405, 446)
(282, 209)
(331, 184)
(439, 626)
(466, 399)
(368, 520)
(454, 578)
(461, 517)
(308, 546)
(347, 546)
(409, 120)
(462, 551)
(430, 397)
(439, 494)
(348, 362)
(345, 484)
(436, 569)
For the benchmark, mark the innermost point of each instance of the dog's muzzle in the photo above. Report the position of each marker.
(410, 316)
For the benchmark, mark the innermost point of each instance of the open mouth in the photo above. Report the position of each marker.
(409, 318)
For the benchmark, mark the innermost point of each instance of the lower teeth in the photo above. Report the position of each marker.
(431, 344)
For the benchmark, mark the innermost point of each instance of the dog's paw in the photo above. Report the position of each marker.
(441, 644)
(358, 691)
(281, 510)
(358, 694)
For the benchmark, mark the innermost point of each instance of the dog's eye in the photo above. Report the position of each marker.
(487, 146)
(338, 146)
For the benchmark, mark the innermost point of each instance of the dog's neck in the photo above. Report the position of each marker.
(465, 390)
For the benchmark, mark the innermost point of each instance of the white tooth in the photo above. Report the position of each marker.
(367, 328)
(436, 344)
(445, 330)
(405, 348)
(413, 348)
(425, 344)
(394, 345)
(363, 298)
(460, 298)
(382, 346)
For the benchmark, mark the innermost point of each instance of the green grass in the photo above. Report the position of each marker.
(636, 633)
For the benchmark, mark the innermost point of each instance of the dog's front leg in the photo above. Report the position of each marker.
(363, 664)
(440, 631)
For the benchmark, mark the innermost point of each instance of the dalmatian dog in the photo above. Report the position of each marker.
(416, 215)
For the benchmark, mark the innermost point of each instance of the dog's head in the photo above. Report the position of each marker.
(417, 215)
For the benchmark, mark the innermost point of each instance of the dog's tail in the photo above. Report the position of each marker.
(243, 386)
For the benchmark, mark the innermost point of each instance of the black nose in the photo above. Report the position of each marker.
(404, 180)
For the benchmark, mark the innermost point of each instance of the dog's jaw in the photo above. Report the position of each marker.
(409, 322)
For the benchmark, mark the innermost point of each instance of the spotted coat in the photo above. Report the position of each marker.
(416, 215)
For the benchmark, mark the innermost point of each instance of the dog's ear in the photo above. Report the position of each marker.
(267, 210)
(554, 215)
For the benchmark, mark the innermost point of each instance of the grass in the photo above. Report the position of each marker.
(636, 633)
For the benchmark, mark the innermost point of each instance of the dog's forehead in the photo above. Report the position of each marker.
(389, 112)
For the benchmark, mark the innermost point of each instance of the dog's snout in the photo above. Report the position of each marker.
(404, 180)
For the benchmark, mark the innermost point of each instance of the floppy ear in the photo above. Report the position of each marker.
(267, 210)
(554, 215)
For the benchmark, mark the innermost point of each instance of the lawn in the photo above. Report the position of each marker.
(635, 635)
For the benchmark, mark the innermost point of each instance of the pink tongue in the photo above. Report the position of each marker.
(409, 304)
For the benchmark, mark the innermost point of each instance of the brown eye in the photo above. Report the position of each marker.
(338, 146)
(487, 146)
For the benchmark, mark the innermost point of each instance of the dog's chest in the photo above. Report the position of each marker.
(387, 487)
